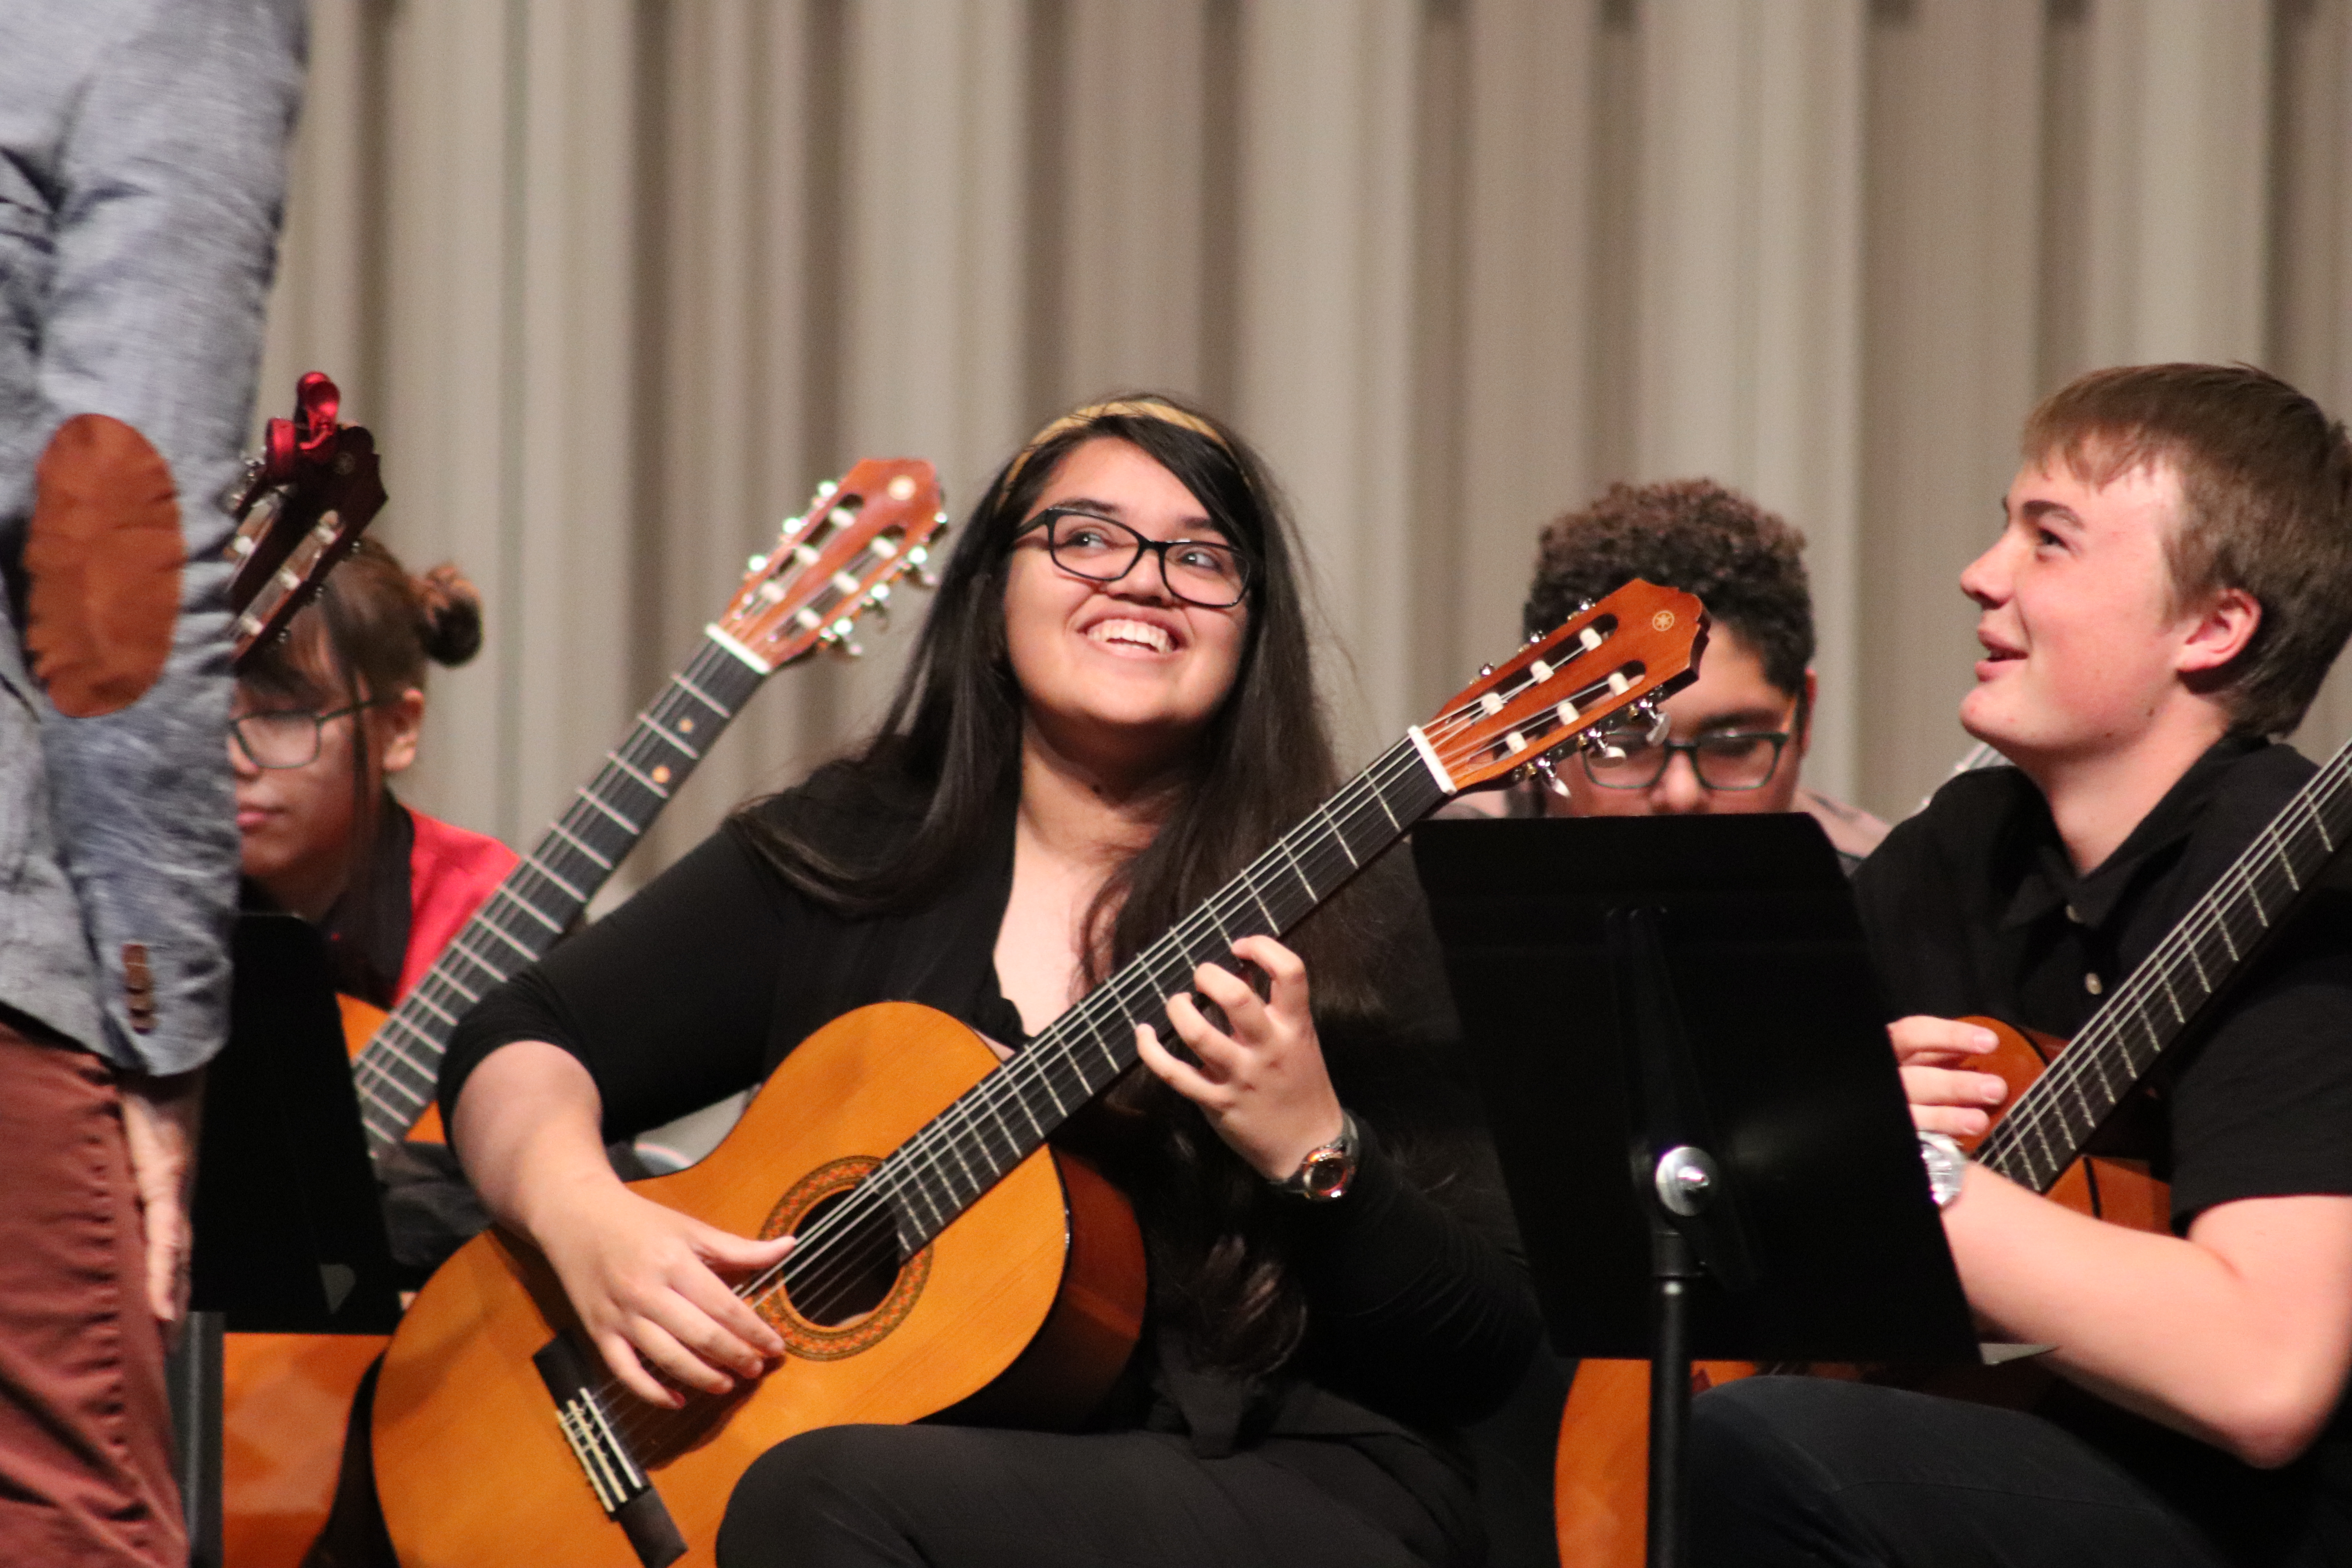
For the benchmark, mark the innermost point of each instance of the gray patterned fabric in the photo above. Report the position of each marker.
(142, 149)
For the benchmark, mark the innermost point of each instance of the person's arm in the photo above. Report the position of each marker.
(665, 1002)
(645, 1280)
(2239, 1333)
(160, 1120)
(663, 1005)
(167, 186)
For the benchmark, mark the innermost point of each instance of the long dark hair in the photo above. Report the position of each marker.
(952, 740)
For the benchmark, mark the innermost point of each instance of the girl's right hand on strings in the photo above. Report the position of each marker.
(653, 1290)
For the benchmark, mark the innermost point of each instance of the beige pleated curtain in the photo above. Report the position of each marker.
(615, 283)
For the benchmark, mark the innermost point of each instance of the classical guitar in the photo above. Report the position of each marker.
(302, 505)
(948, 1256)
(286, 1397)
(2060, 1095)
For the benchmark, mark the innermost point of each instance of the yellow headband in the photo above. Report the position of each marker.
(1132, 408)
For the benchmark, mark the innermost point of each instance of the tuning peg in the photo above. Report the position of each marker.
(879, 610)
(1533, 638)
(837, 639)
(758, 564)
(919, 560)
(1485, 671)
(825, 492)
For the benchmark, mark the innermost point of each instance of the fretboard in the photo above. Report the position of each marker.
(2048, 1128)
(398, 1070)
(963, 1152)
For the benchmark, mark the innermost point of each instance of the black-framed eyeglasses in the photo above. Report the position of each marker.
(1198, 571)
(1737, 760)
(288, 737)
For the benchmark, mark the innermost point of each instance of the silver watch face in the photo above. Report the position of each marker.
(1945, 1167)
(1325, 1173)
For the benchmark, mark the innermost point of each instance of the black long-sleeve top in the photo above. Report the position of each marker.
(696, 987)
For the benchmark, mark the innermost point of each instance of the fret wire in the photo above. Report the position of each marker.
(578, 899)
(580, 845)
(446, 984)
(633, 830)
(392, 1051)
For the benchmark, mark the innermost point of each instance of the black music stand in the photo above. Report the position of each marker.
(1682, 1051)
(289, 1229)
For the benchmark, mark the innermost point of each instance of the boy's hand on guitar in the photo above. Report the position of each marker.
(1262, 1082)
(1946, 1096)
(646, 1281)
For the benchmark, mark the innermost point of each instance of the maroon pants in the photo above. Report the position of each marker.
(85, 1427)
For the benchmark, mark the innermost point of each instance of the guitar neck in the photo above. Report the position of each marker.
(1010, 1114)
(397, 1072)
(2170, 990)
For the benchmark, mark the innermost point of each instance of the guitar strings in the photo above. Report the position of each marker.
(2265, 862)
(1117, 995)
(950, 1137)
(854, 1219)
(866, 1214)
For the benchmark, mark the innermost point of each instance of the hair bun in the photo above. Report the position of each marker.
(449, 614)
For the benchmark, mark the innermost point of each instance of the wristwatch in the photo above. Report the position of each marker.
(1945, 1167)
(1328, 1168)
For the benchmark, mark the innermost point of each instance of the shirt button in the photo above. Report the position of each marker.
(2074, 914)
(2091, 984)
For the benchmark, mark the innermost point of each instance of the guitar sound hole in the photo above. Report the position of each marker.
(843, 1269)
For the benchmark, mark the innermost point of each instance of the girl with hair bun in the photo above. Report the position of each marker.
(322, 721)
(319, 725)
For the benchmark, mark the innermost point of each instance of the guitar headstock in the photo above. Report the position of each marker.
(302, 506)
(837, 560)
(1606, 667)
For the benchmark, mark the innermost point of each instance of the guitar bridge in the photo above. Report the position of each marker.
(614, 1473)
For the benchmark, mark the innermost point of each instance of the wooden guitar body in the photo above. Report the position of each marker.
(1600, 1494)
(1033, 1298)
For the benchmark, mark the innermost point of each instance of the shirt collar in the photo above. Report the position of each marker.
(2050, 881)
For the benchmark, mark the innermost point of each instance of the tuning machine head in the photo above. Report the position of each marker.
(1642, 722)
(836, 639)
(919, 559)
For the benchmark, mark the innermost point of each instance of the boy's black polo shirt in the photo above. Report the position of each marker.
(1972, 906)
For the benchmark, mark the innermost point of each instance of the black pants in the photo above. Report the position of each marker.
(969, 1498)
(1807, 1471)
